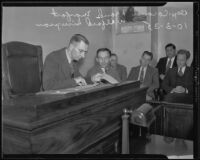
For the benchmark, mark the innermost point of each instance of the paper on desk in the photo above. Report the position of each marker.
(65, 91)
(109, 78)
(180, 157)
(68, 90)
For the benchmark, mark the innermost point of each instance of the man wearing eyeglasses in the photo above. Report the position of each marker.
(61, 67)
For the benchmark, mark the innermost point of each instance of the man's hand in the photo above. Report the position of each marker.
(162, 76)
(96, 78)
(178, 89)
(80, 81)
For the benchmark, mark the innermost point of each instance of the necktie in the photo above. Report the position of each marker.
(142, 75)
(168, 65)
(104, 70)
(180, 73)
(72, 69)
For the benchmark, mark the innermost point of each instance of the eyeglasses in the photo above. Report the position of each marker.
(81, 51)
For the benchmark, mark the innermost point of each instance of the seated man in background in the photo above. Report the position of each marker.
(60, 67)
(120, 68)
(178, 82)
(102, 69)
(147, 75)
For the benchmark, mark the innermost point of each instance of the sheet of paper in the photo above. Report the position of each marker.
(180, 157)
(110, 79)
(68, 90)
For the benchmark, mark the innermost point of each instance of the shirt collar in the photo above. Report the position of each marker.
(183, 69)
(68, 56)
(171, 58)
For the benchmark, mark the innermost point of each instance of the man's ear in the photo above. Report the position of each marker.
(97, 59)
(70, 47)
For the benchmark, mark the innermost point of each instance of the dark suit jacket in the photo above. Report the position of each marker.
(122, 72)
(57, 73)
(161, 65)
(97, 69)
(150, 80)
(169, 81)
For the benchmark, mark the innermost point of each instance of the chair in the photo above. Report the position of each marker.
(21, 69)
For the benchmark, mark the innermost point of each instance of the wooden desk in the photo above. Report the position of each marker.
(160, 145)
(173, 120)
(71, 123)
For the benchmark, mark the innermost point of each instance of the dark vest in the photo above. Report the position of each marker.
(180, 80)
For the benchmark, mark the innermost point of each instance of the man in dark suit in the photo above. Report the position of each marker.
(147, 75)
(102, 69)
(178, 82)
(120, 68)
(167, 62)
(61, 68)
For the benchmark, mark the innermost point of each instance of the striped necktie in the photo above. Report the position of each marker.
(180, 72)
(168, 64)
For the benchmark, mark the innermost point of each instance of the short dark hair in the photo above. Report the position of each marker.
(78, 38)
(170, 45)
(103, 50)
(148, 53)
(184, 51)
(113, 54)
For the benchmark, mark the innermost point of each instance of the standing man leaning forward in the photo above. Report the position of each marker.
(61, 66)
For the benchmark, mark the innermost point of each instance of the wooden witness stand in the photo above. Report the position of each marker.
(66, 123)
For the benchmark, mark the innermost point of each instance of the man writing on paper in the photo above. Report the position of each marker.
(61, 68)
(102, 70)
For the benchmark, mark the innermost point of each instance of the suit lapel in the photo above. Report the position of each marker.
(137, 73)
(174, 63)
(65, 64)
(147, 75)
(173, 78)
(165, 62)
(186, 74)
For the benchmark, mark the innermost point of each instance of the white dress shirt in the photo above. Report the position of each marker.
(183, 69)
(145, 68)
(104, 70)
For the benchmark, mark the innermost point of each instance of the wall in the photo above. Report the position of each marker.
(129, 47)
(182, 38)
(19, 24)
